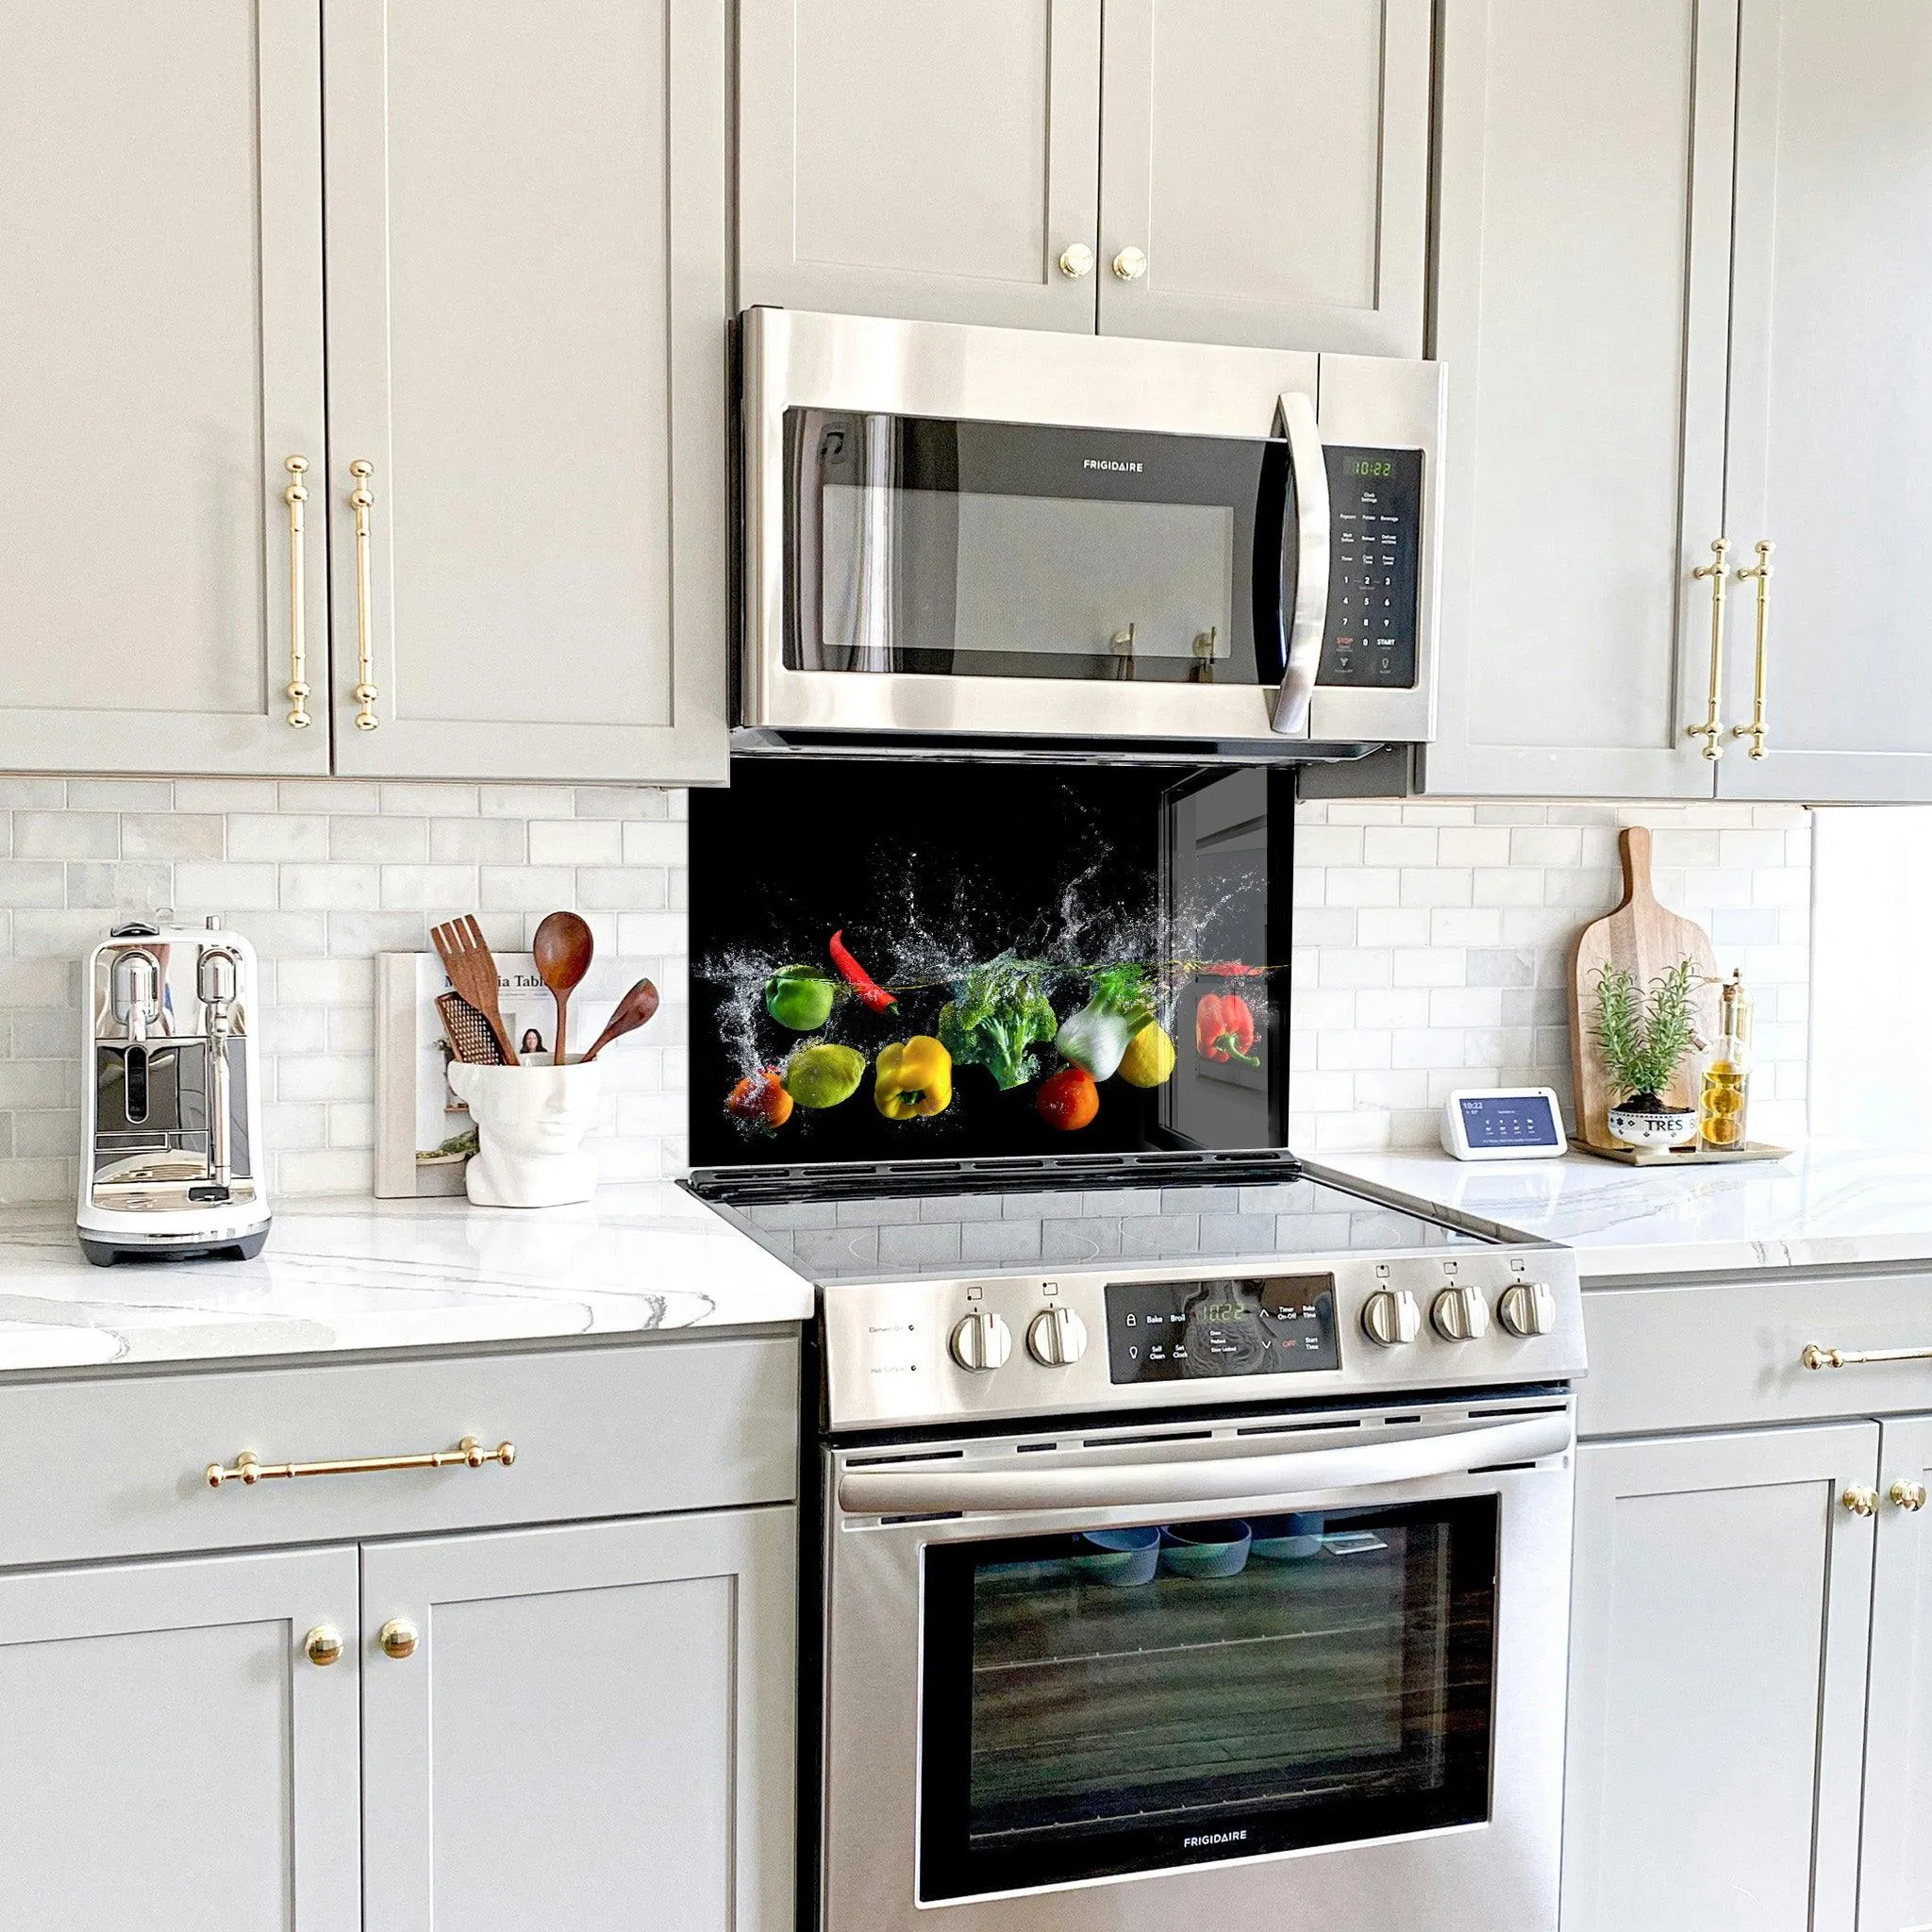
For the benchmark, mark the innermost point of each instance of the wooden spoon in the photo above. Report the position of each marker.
(633, 1010)
(562, 950)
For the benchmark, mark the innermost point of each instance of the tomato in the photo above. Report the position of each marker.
(760, 1100)
(1068, 1099)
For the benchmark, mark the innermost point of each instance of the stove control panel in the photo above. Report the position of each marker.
(1123, 1338)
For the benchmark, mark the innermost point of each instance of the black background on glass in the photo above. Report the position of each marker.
(798, 848)
(950, 1868)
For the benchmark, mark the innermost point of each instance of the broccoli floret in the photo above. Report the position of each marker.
(996, 1016)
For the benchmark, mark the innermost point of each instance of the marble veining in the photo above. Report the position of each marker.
(347, 1274)
(1832, 1204)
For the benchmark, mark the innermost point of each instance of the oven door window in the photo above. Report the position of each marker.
(1333, 1682)
(968, 549)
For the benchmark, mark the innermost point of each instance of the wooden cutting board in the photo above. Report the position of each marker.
(1645, 940)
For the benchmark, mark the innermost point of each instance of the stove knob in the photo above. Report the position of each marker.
(1526, 1308)
(1056, 1338)
(982, 1342)
(1391, 1317)
(1460, 1314)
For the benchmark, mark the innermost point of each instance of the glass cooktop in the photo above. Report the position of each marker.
(904, 1236)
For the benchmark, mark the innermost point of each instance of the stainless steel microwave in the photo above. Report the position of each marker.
(955, 533)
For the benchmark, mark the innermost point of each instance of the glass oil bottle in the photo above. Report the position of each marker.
(1724, 1104)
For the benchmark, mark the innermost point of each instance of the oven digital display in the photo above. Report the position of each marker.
(1193, 1331)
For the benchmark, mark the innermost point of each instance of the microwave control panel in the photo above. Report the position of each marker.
(1376, 521)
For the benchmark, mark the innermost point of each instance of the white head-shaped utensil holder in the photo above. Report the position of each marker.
(530, 1124)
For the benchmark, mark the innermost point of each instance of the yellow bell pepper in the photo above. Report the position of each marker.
(915, 1078)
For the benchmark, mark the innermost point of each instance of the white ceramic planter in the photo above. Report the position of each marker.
(1647, 1129)
(530, 1126)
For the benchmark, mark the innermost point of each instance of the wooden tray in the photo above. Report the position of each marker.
(1689, 1157)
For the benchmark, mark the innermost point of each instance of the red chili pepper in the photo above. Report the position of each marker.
(1224, 1028)
(856, 977)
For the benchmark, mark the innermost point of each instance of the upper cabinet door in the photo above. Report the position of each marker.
(920, 158)
(528, 226)
(1265, 173)
(1831, 396)
(1583, 259)
(174, 1760)
(160, 277)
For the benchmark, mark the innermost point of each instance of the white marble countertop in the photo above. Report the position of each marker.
(1830, 1203)
(351, 1275)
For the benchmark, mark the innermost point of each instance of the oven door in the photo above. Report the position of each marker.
(1326, 1691)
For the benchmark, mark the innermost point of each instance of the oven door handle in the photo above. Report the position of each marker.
(1308, 623)
(1238, 1478)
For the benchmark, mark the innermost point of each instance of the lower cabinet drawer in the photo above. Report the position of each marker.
(119, 1466)
(1692, 1354)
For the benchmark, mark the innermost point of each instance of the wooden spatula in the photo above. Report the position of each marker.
(1645, 940)
(633, 1010)
(459, 944)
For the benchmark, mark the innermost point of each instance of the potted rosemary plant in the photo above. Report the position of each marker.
(1643, 1035)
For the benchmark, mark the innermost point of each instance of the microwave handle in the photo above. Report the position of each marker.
(1103, 1484)
(1305, 625)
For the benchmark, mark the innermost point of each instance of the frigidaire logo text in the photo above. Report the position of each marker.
(1212, 1838)
(1110, 463)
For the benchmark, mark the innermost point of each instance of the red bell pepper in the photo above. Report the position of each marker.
(1224, 1028)
(856, 977)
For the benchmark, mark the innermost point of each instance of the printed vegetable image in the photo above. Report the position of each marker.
(1098, 1036)
(1069, 1099)
(1224, 1028)
(823, 1075)
(996, 1016)
(760, 1100)
(856, 977)
(800, 998)
(914, 1078)
(1149, 1058)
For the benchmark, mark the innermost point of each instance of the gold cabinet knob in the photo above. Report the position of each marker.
(1131, 265)
(398, 1637)
(323, 1645)
(1076, 260)
(1861, 1502)
(1907, 1496)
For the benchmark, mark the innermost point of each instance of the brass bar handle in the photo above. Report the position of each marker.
(249, 1468)
(296, 495)
(1907, 1496)
(1761, 571)
(1816, 1358)
(362, 501)
(1712, 731)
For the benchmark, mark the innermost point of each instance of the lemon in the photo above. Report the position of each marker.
(1149, 1058)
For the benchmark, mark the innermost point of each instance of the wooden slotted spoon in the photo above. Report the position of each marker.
(465, 956)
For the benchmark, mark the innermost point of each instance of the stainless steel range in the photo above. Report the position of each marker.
(1189, 1557)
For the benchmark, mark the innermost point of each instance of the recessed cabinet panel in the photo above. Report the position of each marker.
(160, 277)
(526, 346)
(1269, 164)
(1584, 251)
(1717, 1681)
(1831, 410)
(174, 1759)
(920, 159)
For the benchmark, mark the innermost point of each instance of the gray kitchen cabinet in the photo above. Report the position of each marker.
(174, 1759)
(919, 158)
(527, 307)
(161, 197)
(1583, 259)
(1721, 1607)
(1896, 1859)
(1831, 396)
(591, 1728)
(1270, 165)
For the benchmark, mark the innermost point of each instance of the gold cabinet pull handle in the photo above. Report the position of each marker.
(1816, 1358)
(322, 1646)
(469, 1453)
(1860, 1501)
(1907, 1496)
(397, 1638)
(1761, 571)
(1712, 731)
(296, 495)
(362, 501)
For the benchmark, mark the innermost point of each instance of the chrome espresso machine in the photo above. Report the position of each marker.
(171, 1096)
